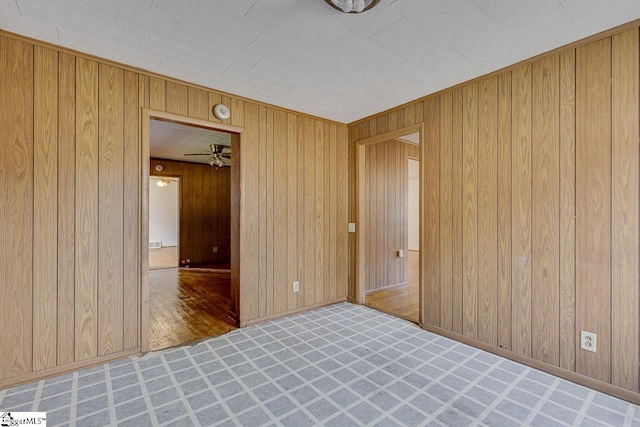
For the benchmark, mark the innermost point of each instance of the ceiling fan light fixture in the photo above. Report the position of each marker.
(163, 182)
(352, 6)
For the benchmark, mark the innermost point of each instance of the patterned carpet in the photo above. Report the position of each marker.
(342, 365)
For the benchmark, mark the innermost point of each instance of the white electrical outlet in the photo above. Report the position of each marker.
(588, 341)
(296, 286)
(352, 227)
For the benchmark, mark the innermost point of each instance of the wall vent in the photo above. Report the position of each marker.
(155, 245)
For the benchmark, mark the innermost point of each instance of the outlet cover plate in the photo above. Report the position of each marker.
(588, 341)
(296, 286)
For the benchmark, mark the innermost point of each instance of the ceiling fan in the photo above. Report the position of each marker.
(220, 155)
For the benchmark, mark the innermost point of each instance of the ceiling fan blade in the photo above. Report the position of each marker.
(198, 154)
(226, 155)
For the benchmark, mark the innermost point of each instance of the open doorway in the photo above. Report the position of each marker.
(389, 217)
(164, 222)
(195, 293)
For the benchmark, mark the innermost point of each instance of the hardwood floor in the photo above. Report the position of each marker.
(403, 300)
(163, 258)
(188, 305)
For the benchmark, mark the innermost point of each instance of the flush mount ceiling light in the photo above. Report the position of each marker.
(352, 6)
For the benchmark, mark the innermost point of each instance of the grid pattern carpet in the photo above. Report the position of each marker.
(341, 365)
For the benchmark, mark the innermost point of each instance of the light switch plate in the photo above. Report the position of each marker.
(352, 227)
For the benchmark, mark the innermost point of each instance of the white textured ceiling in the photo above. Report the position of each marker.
(169, 140)
(306, 56)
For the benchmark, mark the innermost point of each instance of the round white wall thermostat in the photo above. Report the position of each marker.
(221, 112)
(159, 168)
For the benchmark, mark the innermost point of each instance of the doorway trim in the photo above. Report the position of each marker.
(148, 115)
(362, 214)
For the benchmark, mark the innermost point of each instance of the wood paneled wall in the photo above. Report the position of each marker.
(205, 210)
(70, 200)
(531, 210)
(386, 193)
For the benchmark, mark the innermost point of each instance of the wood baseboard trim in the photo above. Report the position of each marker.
(294, 311)
(352, 300)
(575, 377)
(74, 366)
(386, 288)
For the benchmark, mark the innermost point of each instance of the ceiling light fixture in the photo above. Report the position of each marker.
(216, 161)
(163, 182)
(352, 6)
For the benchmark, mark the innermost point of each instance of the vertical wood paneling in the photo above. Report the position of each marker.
(86, 202)
(269, 213)
(205, 220)
(45, 198)
(66, 207)
(157, 94)
(446, 211)
(132, 237)
(333, 209)
(545, 286)
(342, 212)
(381, 249)
(16, 209)
(396, 224)
(238, 112)
(521, 210)
(327, 213)
(504, 211)
(280, 207)
(198, 103)
(541, 233)
(177, 98)
(457, 203)
(249, 250)
(386, 237)
(262, 213)
(593, 204)
(292, 209)
(83, 236)
(111, 200)
(624, 210)
(567, 210)
(487, 211)
(470, 210)
(309, 213)
(301, 209)
(430, 165)
(319, 214)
